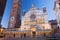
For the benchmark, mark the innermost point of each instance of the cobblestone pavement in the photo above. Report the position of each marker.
(29, 38)
(25, 38)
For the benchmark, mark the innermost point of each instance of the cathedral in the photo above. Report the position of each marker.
(35, 19)
(34, 22)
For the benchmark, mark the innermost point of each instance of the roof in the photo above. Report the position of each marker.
(53, 21)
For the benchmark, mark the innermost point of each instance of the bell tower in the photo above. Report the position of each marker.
(14, 21)
(57, 11)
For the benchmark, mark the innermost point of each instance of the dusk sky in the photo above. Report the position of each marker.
(26, 4)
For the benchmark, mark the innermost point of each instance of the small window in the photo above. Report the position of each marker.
(43, 27)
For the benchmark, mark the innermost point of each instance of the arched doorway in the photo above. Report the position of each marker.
(24, 34)
(34, 33)
(33, 30)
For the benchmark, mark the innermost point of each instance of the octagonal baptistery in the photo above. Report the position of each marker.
(35, 19)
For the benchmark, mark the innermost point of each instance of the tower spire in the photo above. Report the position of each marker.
(32, 5)
(44, 9)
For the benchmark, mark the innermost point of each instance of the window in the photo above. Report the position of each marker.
(43, 27)
(32, 17)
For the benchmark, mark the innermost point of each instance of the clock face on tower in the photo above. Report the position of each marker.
(12, 18)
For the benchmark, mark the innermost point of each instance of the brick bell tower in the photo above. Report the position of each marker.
(14, 21)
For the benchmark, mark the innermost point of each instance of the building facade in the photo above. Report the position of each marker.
(53, 24)
(14, 21)
(33, 24)
(2, 8)
(35, 18)
(57, 11)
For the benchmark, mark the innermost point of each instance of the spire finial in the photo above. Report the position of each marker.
(32, 5)
(44, 9)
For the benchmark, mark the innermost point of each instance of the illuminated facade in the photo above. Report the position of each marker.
(35, 19)
(34, 23)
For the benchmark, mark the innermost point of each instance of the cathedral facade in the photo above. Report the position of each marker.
(35, 18)
(34, 22)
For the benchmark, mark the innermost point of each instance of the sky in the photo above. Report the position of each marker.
(26, 4)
